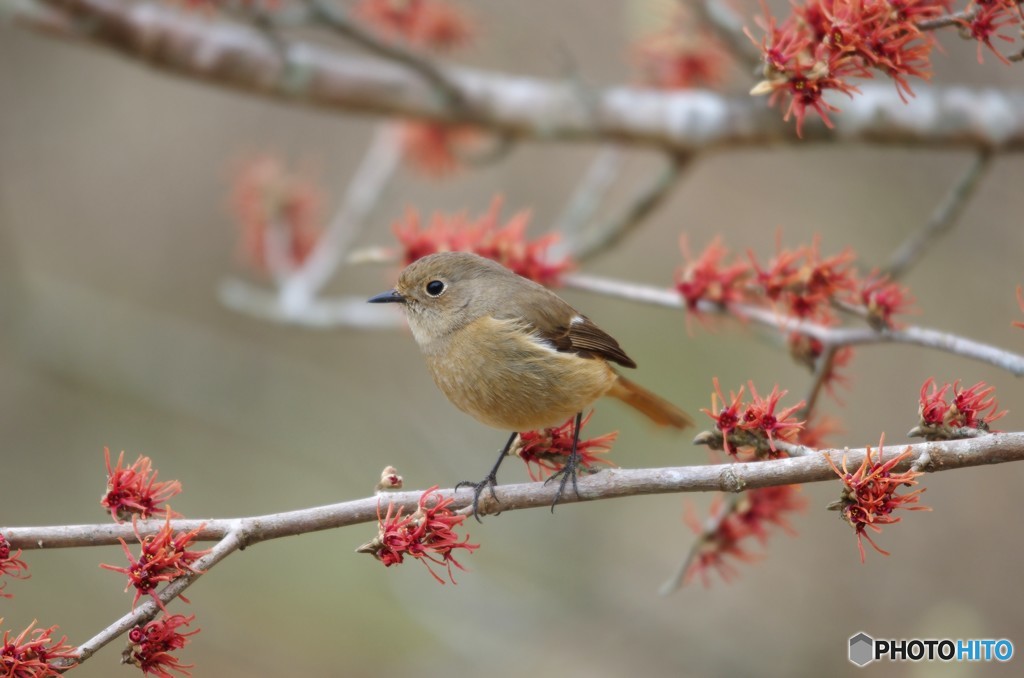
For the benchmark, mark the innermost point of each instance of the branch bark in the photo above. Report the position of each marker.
(996, 448)
(240, 57)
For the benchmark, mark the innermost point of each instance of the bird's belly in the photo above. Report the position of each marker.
(516, 384)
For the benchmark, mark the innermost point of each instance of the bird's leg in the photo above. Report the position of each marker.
(571, 464)
(490, 480)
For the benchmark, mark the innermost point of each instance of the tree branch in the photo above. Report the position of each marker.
(996, 448)
(828, 336)
(241, 57)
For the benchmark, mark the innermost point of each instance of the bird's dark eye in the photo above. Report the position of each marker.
(435, 288)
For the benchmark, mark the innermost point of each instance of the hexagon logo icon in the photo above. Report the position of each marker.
(862, 649)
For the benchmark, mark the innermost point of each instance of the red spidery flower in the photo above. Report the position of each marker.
(433, 149)
(546, 451)
(34, 653)
(707, 278)
(761, 419)
(970, 410)
(279, 213)
(681, 55)
(723, 539)
(882, 299)
(427, 535)
(1020, 302)
(869, 494)
(164, 557)
(11, 565)
(151, 646)
(431, 24)
(506, 244)
(133, 491)
(991, 16)
(755, 425)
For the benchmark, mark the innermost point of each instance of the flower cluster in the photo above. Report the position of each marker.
(11, 565)
(279, 214)
(754, 426)
(429, 24)
(164, 557)
(681, 55)
(869, 494)
(546, 451)
(506, 244)
(986, 19)
(133, 491)
(435, 149)
(751, 515)
(824, 44)
(427, 535)
(970, 411)
(150, 646)
(34, 653)
(800, 282)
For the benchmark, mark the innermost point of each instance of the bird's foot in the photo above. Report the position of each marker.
(487, 483)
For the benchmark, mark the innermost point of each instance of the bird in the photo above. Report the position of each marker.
(512, 354)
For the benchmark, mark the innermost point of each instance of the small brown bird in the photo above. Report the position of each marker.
(512, 354)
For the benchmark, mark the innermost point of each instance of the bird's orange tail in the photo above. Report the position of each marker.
(654, 407)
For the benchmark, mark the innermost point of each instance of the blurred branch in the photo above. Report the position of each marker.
(728, 26)
(828, 336)
(602, 238)
(251, 300)
(362, 195)
(235, 56)
(587, 199)
(995, 448)
(822, 370)
(711, 526)
(333, 16)
(942, 219)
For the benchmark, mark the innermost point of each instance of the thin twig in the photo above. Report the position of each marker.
(587, 199)
(822, 370)
(363, 194)
(995, 448)
(333, 16)
(728, 26)
(228, 544)
(605, 237)
(350, 311)
(942, 219)
(714, 522)
(828, 336)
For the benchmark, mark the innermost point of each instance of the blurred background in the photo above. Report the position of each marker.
(115, 234)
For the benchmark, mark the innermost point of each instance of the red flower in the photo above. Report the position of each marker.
(804, 282)
(869, 494)
(433, 149)
(991, 16)
(970, 408)
(505, 244)
(279, 214)
(882, 299)
(727, 418)
(546, 451)
(1020, 302)
(751, 515)
(432, 24)
(33, 654)
(151, 645)
(164, 557)
(708, 279)
(760, 417)
(11, 565)
(132, 491)
(427, 535)
(681, 55)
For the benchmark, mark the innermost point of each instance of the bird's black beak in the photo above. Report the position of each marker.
(389, 297)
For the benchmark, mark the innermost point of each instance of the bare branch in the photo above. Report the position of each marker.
(942, 219)
(828, 336)
(248, 299)
(590, 193)
(675, 582)
(996, 448)
(243, 58)
(728, 26)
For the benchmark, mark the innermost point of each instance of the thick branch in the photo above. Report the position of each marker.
(611, 483)
(236, 56)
